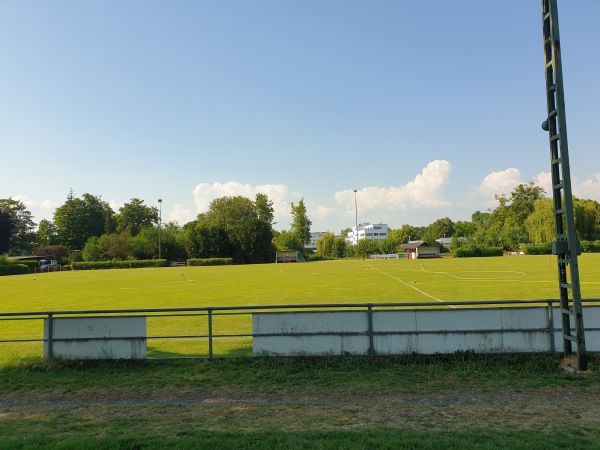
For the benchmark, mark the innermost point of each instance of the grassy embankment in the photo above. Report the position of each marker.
(439, 402)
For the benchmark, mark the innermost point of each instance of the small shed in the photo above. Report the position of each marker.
(420, 249)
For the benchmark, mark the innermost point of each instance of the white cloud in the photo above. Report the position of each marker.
(279, 194)
(589, 189)
(115, 205)
(180, 214)
(544, 180)
(424, 192)
(498, 183)
(39, 209)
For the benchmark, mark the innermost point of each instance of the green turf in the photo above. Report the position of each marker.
(344, 281)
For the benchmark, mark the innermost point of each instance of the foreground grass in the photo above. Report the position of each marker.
(456, 401)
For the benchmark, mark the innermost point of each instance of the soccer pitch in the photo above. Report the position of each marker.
(343, 281)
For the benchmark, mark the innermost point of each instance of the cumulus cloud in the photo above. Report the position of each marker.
(424, 192)
(544, 180)
(39, 209)
(498, 183)
(180, 214)
(279, 194)
(589, 188)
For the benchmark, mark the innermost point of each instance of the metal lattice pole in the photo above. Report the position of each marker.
(566, 247)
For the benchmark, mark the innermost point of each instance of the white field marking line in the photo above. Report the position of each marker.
(407, 284)
(423, 269)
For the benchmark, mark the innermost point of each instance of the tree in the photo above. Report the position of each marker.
(19, 226)
(229, 211)
(540, 223)
(406, 233)
(331, 246)
(46, 233)
(286, 240)
(439, 229)
(300, 222)
(464, 229)
(134, 216)
(246, 225)
(79, 219)
(203, 240)
(6, 230)
(264, 208)
(366, 247)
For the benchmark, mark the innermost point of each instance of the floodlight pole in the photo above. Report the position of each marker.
(159, 227)
(356, 215)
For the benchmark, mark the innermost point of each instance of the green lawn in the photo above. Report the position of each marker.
(344, 281)
(435, 402)
(460, 401)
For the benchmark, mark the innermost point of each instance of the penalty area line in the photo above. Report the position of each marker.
(408, 284)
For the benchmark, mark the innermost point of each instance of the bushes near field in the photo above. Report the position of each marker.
(538, 249)
(132, 264)
(209, 261)
(13, 269)
(473, 252)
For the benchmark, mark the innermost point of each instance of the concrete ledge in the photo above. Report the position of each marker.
(95, 337)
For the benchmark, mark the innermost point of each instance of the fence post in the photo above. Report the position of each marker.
(551, 327)
(210, 335)
(370, 318)
(50, 353)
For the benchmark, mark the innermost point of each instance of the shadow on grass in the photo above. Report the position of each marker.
(244, 350)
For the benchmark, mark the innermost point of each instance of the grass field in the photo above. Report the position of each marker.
(460, 401)
(344, 281)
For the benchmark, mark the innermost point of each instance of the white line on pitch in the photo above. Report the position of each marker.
(409, 285)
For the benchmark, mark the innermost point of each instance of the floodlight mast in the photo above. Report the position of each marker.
(566, 247)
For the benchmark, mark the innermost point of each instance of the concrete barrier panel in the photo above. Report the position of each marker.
(395, 332)
(95, 338)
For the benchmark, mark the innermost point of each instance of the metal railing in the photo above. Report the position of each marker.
(225, 333)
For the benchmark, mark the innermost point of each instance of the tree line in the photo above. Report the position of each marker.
(242, 229)
(87, 228)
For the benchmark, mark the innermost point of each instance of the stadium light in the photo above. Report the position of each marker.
(159, 226)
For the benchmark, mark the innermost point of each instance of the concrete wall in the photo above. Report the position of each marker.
(396, 332)
(96, 338)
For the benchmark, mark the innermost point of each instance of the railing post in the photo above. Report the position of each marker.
(370, 318)
(551, 327)
(210, 335)
(50, 353)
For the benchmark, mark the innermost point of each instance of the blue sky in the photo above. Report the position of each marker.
(427, 109)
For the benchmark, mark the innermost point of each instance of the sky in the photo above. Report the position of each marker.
(426, 109)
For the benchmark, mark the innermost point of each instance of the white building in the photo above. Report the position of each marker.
(377, 231)
(314, 237)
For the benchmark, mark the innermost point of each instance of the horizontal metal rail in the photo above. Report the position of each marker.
(212, 312)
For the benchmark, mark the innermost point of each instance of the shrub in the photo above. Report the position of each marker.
(209, 261)
(478, 252)
(13, 269)
(538, 249)
(590, 246)
(33, 264)
(133, 264)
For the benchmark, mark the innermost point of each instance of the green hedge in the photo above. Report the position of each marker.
(590, 246)
(538, 249)
(33, 264)
(133, 264)
(475, 252)
(14, 269)
(209, 261)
